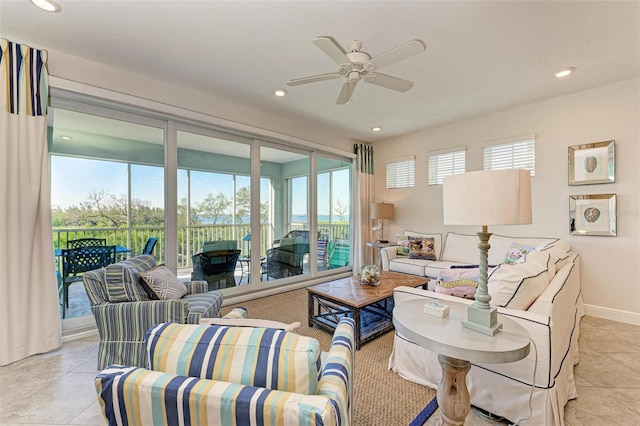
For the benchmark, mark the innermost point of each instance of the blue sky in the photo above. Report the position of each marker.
(72, 179)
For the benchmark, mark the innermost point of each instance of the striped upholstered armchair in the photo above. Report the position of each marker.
(225, 375)
(124, 310)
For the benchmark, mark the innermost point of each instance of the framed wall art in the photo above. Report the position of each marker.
(592, 214)
(592, 163)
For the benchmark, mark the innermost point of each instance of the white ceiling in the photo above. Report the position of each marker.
(481, 56)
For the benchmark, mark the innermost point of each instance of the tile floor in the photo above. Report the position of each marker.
(57, 388)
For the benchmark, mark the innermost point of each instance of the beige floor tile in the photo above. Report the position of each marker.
(602, 371)
(600, 335)
(62, 360)
(92, 416)
(629, 360)
(88, 366)
(581, 382)
(601, 406)
(56, 400)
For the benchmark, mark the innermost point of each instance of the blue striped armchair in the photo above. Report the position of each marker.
(124, 311)
(222, 375)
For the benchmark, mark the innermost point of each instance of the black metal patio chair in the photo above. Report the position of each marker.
(86, 242)
(77, 261)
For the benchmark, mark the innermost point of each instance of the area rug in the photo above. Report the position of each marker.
(381, 397)
(424, 415)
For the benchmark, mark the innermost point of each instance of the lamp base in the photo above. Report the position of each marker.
(482, 320)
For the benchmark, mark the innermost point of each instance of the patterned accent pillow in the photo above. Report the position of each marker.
(162, 284)
(515, 252)
(255, 356)
(422, 248)
(403, 246)
(459, 282)
(122, 280)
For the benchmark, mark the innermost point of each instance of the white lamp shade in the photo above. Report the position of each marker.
(382, 211)
(491, 197)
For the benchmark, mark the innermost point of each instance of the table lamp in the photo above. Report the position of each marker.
(492, 197)
(382, 212)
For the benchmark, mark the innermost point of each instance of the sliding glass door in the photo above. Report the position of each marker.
(288, 249)
(107, 183)
(125, 177)
(334, 213)
(214, 202)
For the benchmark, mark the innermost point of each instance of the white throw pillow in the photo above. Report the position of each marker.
(463, 248)
(517, 286)
(559, 251)
(162, 283)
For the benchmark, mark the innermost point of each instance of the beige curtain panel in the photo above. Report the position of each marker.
(364, 198)
(29, 305)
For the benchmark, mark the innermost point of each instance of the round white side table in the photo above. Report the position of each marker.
(457, 348)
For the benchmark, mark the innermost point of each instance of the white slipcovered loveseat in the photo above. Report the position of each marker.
(546, 300)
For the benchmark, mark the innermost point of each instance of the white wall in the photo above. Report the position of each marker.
(610, 265)
(76, 69)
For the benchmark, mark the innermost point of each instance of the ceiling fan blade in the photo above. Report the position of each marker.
(313, 79)
(393, 83)
(346, 92)
(332, 49)
(399, 53)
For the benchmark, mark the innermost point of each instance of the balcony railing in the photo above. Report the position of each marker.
(190, 238)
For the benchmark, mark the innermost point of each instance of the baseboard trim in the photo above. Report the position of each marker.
(612, 314)
(80, 335)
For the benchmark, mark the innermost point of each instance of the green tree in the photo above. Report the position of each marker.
(217, 207)
(101, 209)
(243, 204)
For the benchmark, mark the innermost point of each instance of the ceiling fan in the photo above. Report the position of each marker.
(356, 65)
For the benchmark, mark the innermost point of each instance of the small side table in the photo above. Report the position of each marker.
(379, 246)
(457, 348)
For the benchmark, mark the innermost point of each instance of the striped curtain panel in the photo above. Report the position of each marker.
(365, 196)
(29, 305)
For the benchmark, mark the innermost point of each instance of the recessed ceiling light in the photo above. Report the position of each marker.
(376, 128)
(48, 5)
(564, 72)
(65, 137)
(280, 92)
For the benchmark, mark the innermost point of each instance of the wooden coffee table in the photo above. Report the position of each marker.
(368, 305)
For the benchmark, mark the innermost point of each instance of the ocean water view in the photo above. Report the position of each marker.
(295, 218)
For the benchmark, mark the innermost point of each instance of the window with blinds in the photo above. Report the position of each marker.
(515, 154)
(401, 173)
(443, 164)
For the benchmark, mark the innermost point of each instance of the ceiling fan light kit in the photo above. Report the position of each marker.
(356, 65)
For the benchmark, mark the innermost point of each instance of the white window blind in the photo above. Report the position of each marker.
(443, 164)
(401, 173)
(516, 154)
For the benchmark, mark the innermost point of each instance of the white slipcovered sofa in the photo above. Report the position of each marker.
(551, 318)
